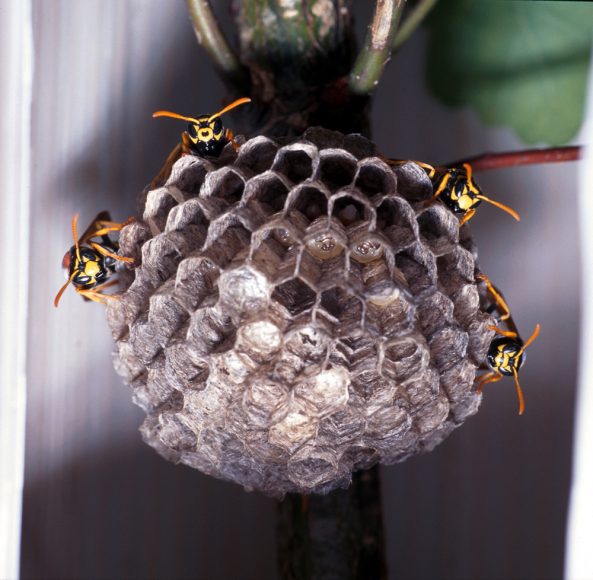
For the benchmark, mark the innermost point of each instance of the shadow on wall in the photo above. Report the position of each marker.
(127, 513)
(118, 510)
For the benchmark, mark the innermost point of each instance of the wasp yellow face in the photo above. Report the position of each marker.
(207, 136)
(505, 354)
(459, 191)
(88, 271)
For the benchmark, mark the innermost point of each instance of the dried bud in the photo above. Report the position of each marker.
(297, 314)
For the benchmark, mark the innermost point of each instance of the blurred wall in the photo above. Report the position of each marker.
(98, 502)
(488, 503)
(491, 501)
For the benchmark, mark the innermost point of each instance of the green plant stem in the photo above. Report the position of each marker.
(412, 21)
(488, 161)
(373, 57)
(210, 36)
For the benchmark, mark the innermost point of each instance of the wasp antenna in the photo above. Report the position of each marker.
(519, 392)
(468, 171)
(173, 116)
(533, 336)
(62, 289)
(74, 232)
(234, 104)
(503, 207)
(75, 235)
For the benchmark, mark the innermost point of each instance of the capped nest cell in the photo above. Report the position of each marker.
(297, 313)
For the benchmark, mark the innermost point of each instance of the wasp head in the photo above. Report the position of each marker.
(206, 134)
(505, 355)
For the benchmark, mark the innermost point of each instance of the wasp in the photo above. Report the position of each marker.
(457, 189)
(90, 264)
(506, 353)
(205, 136)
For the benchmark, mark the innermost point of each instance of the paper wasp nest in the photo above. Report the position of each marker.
(296, 314)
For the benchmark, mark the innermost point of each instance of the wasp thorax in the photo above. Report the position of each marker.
(293, 318)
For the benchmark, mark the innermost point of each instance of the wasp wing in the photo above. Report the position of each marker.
(102, 216)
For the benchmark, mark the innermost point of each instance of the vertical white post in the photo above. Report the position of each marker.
(16, 77)
(579, 536)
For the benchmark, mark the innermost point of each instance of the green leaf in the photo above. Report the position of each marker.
(522, 64)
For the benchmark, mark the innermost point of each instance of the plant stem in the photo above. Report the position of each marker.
(413, 20)
(373, 57)
(210, 36)
(488, 161)
(299, 54)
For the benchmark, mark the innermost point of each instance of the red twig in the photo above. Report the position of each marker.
(525, 157)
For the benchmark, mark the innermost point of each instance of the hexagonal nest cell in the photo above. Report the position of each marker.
(296, 313)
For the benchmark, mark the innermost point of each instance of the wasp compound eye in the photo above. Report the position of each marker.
(217, 126)
(192, 131)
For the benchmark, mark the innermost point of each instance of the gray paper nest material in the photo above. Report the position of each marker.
(297, 314)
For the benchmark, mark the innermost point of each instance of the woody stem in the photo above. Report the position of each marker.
(488, 161)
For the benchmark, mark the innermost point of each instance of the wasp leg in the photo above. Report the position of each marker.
(104, 228)
(230, 136)
(507, 333)
(467, 216)
(441, 187)
(110, 226)
(105, 252)
(430, 170)
(97, 295)
(491, 377)
(185, 145)
(102, 216)
(179, 150)
(394, 162)
(498, 298)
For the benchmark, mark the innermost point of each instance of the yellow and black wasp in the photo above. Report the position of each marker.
(205, 136)
(506, 353)
(89, 264)
(457, 189)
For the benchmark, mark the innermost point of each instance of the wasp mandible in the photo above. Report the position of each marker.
(90, 264)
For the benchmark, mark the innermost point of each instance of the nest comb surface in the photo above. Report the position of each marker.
(297, 314)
